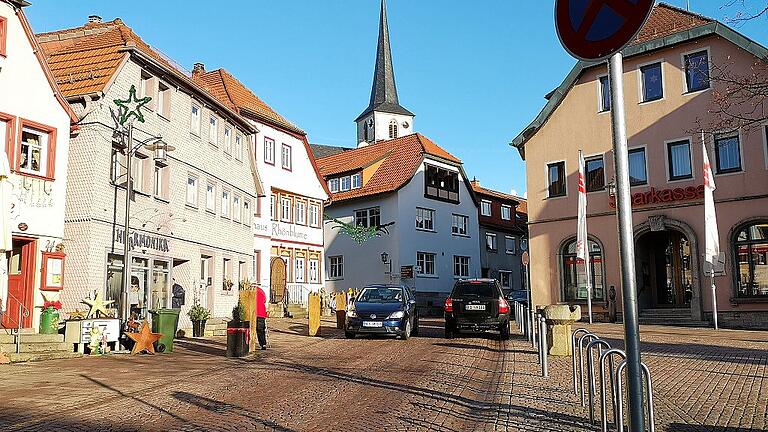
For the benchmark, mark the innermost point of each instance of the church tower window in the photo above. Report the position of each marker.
(393, 129)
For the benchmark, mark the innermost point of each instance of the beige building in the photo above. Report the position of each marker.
(669, 87)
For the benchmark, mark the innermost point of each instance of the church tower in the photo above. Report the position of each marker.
(384, 118)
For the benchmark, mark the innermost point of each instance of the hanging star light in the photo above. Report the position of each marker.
(144, 339)
(98, 305)
(131, 107)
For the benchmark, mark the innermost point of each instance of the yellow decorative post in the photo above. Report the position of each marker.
(314, 314)
(341, 309)
(248, 301)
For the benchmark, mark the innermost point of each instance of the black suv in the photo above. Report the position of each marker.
(476, 305)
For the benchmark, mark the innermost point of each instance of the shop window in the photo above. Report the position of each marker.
(441, 184)
(370, 217)
(727, 153)
(595, 172)
(605, 94)
(314, 271)
(227, 140)
(679, 160)
(637, 167)
(459, 224)
(425, 219)
(490, 242)
(461, 266)
(574, 281)
(336, 267)
(269, 151)
(139, 293)
(114, 283)
(652, 83)
(194, 125)
(556, 179)
(161, 284)
(750, 247)
(426, 263)
(485, 208)
(286, 157)
(697, 71)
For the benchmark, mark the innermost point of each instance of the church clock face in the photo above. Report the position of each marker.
(405, 125)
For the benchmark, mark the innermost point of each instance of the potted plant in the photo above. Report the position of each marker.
(199, 315)
(238, 333)
(49, 318)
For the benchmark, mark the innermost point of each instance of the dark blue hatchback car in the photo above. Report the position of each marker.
(383, 310)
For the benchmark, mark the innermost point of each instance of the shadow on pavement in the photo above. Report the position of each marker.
(459, 345)
(218, 407)
(203, 346)
(715, 353)
(681, 427)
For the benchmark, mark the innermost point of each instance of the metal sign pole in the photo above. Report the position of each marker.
(626, 245)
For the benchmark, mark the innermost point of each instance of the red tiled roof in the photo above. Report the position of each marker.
(238, 97)
(399, 157)
(522, 206)
(666, 20)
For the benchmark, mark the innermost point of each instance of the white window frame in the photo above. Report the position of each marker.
(426, 215)
(286, 212)
(213, 130)
(210, 197)
(269, 151)
(314, 271)
(247, 212)
(600, 107)
(345, 184)
(44, 146)
(227, 140)
(238, 146)
(455, 217)
(462, 262)
(641, 82)
(314, 215)
(301, 212)
(195, 119)
(226, 203)
(333, 185)
(421, 261)
(237, 207)
(357, 181)
(491, 242)
(335, 267)
(273, 207)
(684, 75)
(508, 209)
(509, 240)
(194, 199)
(286, 157)
(299, 269)
(483, 204)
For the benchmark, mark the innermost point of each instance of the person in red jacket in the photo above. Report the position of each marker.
(261, 317)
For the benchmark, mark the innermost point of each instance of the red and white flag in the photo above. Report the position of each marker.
(712, 238)
(582, 239)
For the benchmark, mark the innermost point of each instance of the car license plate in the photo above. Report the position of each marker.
(475, 307)
(372, 324)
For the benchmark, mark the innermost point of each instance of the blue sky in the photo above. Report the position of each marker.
(474, 73)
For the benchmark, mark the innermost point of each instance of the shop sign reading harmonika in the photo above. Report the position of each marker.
(143, 241)
(661, 196)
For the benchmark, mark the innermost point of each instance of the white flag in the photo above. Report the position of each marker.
(582, 241)
(712, 239)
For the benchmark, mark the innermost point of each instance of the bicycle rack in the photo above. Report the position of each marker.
(574, 336)
(599, 344)
(609, 355)
(589, 337)
(620, 399)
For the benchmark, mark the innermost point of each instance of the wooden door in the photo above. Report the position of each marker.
(21, 277)
(277, 275)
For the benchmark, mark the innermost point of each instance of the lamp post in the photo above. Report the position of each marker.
(385, 259)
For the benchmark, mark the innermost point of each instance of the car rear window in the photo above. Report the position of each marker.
(477, 289)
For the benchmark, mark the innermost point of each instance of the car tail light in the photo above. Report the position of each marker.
(503, 306)
(449, 304)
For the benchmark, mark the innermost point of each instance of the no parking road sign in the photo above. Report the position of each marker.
(595, 29)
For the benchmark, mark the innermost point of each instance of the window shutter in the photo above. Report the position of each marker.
(51, 165)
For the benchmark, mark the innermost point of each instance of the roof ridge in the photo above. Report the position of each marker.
(684, 11)
(222, 72)
(87, 26)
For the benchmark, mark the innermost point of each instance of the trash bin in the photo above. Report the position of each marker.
(238, 338)
(165, 322)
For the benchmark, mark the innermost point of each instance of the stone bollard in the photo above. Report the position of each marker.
(559, 319)
(314, 314)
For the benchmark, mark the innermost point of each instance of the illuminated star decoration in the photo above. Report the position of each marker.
(77, 314)
(144, 340)
(131, 107)
(98, 305)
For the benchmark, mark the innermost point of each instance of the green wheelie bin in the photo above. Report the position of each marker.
(166, 322)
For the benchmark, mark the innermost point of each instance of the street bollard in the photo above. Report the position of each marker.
(539, 347)
(534, 323)
(543, 344)
(574, 337)
(599, 344)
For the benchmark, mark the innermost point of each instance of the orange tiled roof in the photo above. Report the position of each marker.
(666, 20)
(238, 97)
(490, 192)
(400, 157)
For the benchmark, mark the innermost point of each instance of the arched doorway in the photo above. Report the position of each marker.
(277, 281)
(667, 266)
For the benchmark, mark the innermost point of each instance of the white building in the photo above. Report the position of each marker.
(35, 127)
(288, 228)
(191, 217)
(407, 184)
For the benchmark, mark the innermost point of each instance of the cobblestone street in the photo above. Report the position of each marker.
(716, 382)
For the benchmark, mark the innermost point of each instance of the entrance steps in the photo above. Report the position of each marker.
(298, 311)
(670, 316)
(216, 327)
(35, 347)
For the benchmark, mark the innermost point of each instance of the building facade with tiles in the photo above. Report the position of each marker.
(290, 216)
(191, 217)
(410, 192)
(35, 127)
(671, 80)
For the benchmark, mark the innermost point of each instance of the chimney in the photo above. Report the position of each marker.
(198, 68)
(475, 182)
(94, 19)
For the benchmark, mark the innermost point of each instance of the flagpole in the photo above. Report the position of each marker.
(582, 236)
(711, 246)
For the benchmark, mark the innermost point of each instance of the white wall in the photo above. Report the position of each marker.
(381, 125)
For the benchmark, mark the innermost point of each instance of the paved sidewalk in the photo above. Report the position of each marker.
(704, 381)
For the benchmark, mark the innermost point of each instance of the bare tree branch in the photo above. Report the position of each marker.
(745, 12)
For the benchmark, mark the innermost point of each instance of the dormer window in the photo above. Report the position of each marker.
(357, 181)
(441, 184)
(345, 183)
(393, 129)
(333, 185)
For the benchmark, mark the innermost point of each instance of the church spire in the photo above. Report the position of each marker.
(384, 91)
